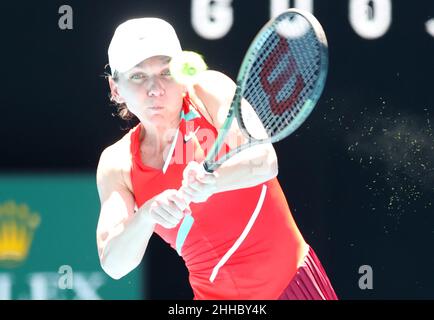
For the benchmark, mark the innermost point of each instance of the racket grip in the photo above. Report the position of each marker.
(186, 223)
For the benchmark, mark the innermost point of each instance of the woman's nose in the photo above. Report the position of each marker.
(156, 88)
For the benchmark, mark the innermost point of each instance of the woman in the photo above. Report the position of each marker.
(244, 243)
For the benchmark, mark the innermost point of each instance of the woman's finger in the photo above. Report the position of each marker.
(172, 209)
(167, 216)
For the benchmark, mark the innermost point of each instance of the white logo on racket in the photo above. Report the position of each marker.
(190, 135)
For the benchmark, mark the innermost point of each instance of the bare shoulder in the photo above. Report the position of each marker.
(215, 91)
(215, 84)
(115, 164)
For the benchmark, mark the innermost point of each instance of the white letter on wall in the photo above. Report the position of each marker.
(429, 26)
(370, 18)
(212, 19)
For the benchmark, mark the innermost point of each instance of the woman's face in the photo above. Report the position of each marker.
(150, 92)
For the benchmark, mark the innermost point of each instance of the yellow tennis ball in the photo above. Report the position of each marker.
(185, 66)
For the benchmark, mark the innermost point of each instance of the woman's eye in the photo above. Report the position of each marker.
(137, 76)
(166, 73)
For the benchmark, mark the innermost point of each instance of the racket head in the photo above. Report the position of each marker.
(282, 76)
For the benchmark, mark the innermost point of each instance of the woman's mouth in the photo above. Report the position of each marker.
(156, 108)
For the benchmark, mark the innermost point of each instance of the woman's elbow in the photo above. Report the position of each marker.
(274, 169)
(273, 172)
(114, 270)
(117, 268)
(271, 168)
(266, 168)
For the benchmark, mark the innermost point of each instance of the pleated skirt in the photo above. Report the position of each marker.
(310, 282)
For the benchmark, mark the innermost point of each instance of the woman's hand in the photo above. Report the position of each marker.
(168, 208)
(197, 184)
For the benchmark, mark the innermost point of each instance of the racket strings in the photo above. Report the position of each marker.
(283, 75)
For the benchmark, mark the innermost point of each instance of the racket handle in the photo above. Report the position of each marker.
(186, 223)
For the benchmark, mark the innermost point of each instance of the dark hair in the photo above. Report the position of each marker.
(121, 108)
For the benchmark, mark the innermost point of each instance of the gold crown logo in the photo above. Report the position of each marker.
(17, 226)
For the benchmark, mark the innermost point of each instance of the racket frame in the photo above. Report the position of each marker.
(211, 164)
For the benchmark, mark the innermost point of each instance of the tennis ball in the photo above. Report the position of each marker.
(185, 66)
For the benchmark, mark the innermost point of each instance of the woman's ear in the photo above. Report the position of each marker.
(114, 91)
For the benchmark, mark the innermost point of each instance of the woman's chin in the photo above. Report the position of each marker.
(157, 118)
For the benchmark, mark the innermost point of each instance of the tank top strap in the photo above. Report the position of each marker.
(191, 111)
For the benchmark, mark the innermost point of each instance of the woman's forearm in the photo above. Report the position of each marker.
(126, 244)
(248, 168)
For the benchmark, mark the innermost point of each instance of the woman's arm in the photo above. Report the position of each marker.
(248, 168)
(122, 234)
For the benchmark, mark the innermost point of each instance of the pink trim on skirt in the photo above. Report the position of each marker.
(310, 282)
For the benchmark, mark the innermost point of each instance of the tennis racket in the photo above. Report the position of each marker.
(281, 78)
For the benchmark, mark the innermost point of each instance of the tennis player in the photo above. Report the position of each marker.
(244, 243)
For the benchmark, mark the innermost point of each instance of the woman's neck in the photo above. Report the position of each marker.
(158, 137)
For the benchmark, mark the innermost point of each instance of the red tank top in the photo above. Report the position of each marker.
(244, 244)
